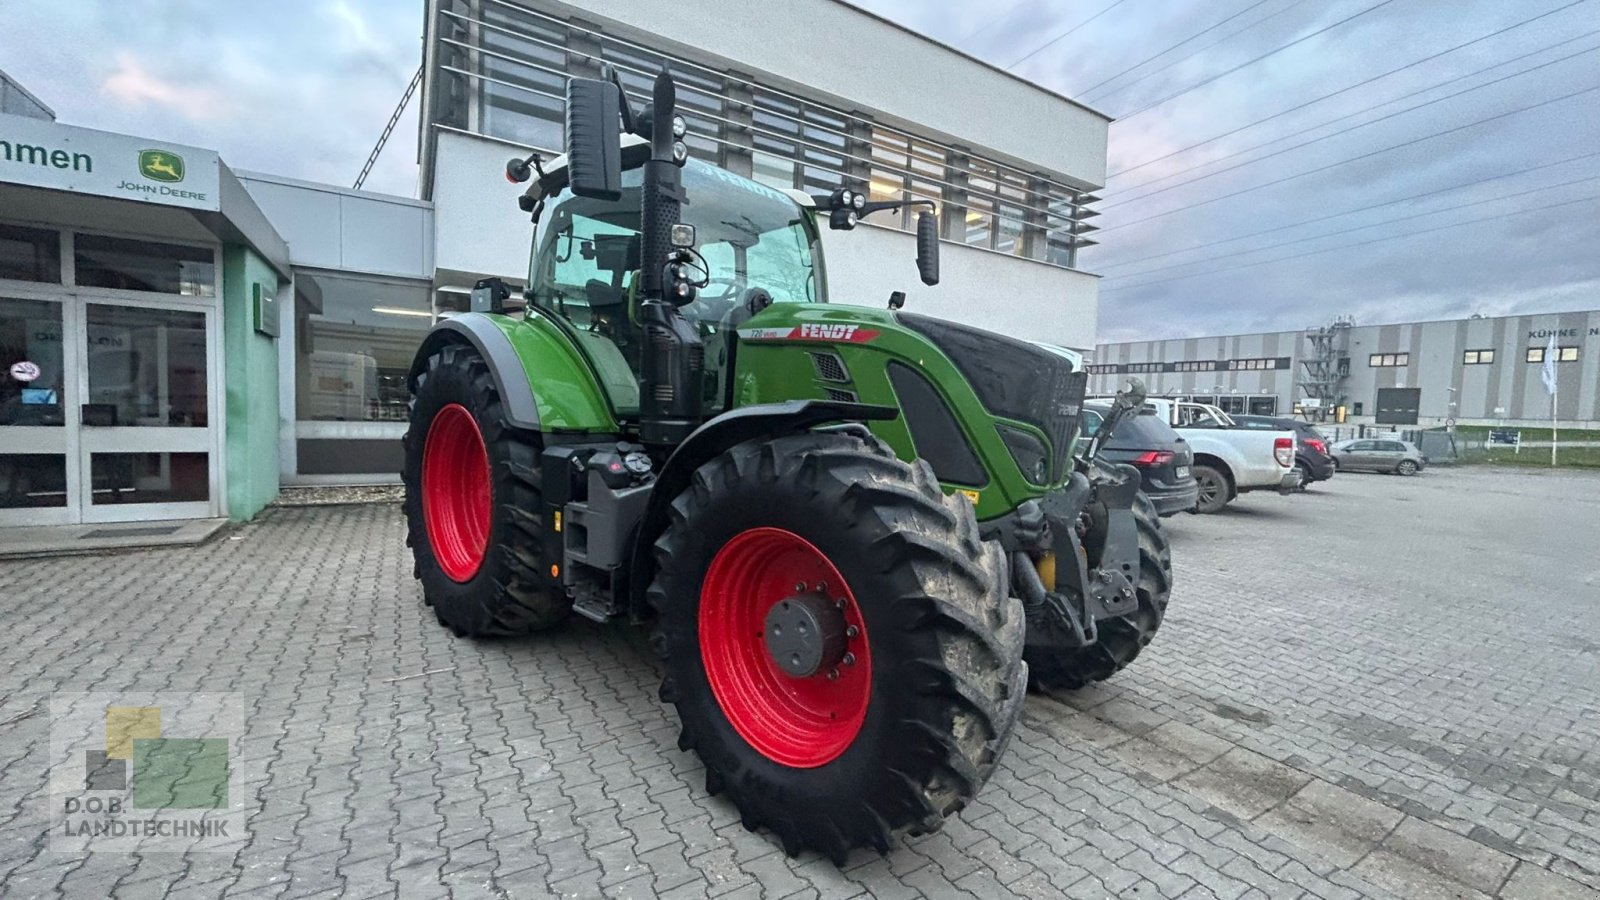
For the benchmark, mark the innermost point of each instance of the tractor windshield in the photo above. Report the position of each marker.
(585, 267)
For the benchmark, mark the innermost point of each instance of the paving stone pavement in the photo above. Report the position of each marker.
(1384, 688)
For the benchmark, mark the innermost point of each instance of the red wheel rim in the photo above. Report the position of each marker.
(456, 504)
(800, 722)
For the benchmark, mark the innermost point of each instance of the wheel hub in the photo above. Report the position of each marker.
(457, 501)
(805, 634)
(785, 647)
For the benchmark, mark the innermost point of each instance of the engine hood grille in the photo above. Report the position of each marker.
(1013, 379)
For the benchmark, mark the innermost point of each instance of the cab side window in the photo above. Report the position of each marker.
(591, 267)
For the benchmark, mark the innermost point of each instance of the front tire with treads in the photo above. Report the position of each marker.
(905, 726)
(473, 508)
(1124, 637)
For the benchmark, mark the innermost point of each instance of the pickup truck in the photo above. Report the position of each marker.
(1230, 461)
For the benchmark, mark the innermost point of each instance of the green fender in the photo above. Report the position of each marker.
(544, 380)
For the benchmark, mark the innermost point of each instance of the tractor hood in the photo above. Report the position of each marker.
(996, 417)
(1014, 379)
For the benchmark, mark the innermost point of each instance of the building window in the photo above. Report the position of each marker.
(501, 71)
(354, 353)
(1563, 354)
(1357, 410)
(30, 254)
(1477, 357)
(146, 367)
(1388, 360)
(131, 265)
(523, 88)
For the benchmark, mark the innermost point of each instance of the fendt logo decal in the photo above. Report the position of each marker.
(811, 331)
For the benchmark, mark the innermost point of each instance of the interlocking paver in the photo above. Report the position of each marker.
(1380, 689)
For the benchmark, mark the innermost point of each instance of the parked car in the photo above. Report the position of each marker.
(1230, 461)
(1311, 455)
(1163, 459)
(1379, 455)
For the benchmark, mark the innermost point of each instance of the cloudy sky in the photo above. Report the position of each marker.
(1276, 162)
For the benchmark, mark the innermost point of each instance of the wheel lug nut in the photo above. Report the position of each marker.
(849, 659)
(851, 631)
(839, 603)
(822, 587)
(833, 674)
(800, 588)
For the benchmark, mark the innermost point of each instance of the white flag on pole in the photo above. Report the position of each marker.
(1549, 372)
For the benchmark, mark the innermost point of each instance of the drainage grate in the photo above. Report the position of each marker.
(147, 531)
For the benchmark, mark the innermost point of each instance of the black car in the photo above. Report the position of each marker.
(1311, 455)
(1162, 457)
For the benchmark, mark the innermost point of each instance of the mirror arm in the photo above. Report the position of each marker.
(1127, 402)
(609, 73)
(873, 206)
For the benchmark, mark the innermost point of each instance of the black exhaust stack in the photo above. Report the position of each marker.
(672, 359)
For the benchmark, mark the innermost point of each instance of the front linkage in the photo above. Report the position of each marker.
(1088, 564)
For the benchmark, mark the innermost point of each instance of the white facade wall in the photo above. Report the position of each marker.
(339, 229)
(869, 63)
(1005, 294)
(479, 230)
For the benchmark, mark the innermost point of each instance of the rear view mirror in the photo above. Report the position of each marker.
(928, 248)
(594, 139)
(1133, 393)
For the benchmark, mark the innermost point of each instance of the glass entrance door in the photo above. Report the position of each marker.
(146, 414)
(38, 446)
(107, 410)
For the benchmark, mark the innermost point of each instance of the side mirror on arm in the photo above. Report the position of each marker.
(594, 139)
(928, 248)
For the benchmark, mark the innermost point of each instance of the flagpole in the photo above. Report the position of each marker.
(1552, 382)
(1553, 394)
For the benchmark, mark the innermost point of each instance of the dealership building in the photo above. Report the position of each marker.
(178, 338)
(1477, 371)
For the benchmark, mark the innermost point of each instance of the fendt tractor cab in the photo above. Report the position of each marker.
(858, 534)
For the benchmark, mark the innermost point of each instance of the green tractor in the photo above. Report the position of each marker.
(858, 534)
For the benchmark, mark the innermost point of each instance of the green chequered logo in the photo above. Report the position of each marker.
(180, 773)
(145, 771)
(161, 165)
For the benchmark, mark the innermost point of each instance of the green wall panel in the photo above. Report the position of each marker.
(250, 379)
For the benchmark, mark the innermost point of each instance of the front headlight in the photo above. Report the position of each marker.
(1030, 453)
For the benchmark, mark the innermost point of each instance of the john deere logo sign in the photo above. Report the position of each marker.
(161, 165)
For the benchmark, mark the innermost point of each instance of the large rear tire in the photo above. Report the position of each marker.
(903, 728)
(1122, 638)
(473, 514)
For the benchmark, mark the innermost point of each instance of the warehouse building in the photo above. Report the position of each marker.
(1477, 371)
(178, 338)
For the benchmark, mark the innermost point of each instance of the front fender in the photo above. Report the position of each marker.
(544, 382)
(732, 427)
